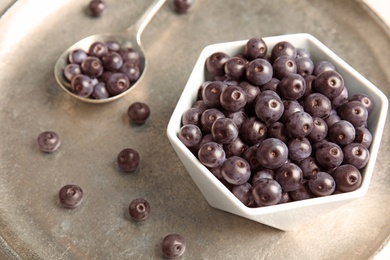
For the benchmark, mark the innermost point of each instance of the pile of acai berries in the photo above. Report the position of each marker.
(274, 126)
(104, 70)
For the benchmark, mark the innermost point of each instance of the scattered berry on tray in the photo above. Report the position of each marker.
(70, 196)
(48, 141)
(173, 245)
(139, 209)
(128, 160)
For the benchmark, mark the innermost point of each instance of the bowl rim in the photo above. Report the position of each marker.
(381, 111)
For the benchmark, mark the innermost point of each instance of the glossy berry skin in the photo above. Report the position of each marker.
(278, 130)
(273, 85)
(340, 99)
(250, 156)
(138, 112)
(322, 184)
(236, 170)
(48, 141)
(354, 112)
(183, 6)
(347, 177)
(267, 192)
(117, 83)
(77, 56)
(342, 132)
(284, 66)
(329, 83)
(269, 108)
(208, 117)
(253, 131)
(356, 154)
(139, 209)
(100, 91)
(97, 7)
(128, 160)
(235, 148)
(211, 93)
(192, 116)
(292, 87)
(300, 124)
(272, 153)
(329, 155)
(323, 66)
(82, 85)
(289, 176)
(211, 154)
(173, 245)
(299, 148)
(92, 67)
(320, 130)
(112, 61)
(262, 174)
(233, 98)
(290, 107)
(71, 70)
(259, 72)
(70, 196)
(250, 90)
(131, 70)
(215, 64)
(235, 68)
(255, 48)
(283, 48)
(318, 105)
(190, 135)
(97, 49)
(129, 55)
(238, 117)
(365, 99)
(305, 66)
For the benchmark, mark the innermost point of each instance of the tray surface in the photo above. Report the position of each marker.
(34, 226)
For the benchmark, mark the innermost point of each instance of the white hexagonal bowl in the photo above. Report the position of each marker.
(288, 216)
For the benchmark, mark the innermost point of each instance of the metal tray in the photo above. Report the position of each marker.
(33, 226)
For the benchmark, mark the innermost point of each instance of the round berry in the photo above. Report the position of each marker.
(173, 245)
(139, 209)
(128, 160)
(322, 184)
(272, 153)
(138, 112)
(70, 196)
(48, 141)
(267, 192)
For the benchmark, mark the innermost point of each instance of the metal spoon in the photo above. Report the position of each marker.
(129, 38)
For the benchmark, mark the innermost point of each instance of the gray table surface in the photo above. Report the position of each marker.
(33, 226)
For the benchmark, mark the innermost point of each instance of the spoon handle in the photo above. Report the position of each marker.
(144, 20)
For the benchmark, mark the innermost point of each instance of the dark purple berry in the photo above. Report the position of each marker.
(131, 70)
(211, 93)
(283, 48)
(117, 83)
(292, 87)
(173, 245)
(211, 154)
(112, 61)
(262, 174)
(272, 153)
(318, 105)
(233, 98)
(97, 49)
(259, 72)
(82, 85)
(269, 108)
(139, 209)
(323, 66)
(329, 155)
(267, 192)
(299, 148)
(365, 99)
(100, 91)
(309, 167)
(299, 124)
(342, 132)
(138, 112)
(284, 66)
(320, 130)
(253, 131)
(322, 184)
(305, 66)
(215, 64)
(128, 160)
(190, 135)
(235, 68)
(329, 83)
(192, 116)
(183, 6)
(92, 67)
(236, 170)
(255, 48)
(208, 117)
(289, 176)
(356, 154)
(71, 70)
(348, 178)
(363, 136)
(243, 192)
(70, 196)
(48, 141)
(354, 112)
(235, 148)
(97, 7)
(77, 56)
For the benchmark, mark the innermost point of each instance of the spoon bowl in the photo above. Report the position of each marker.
(131, 38)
